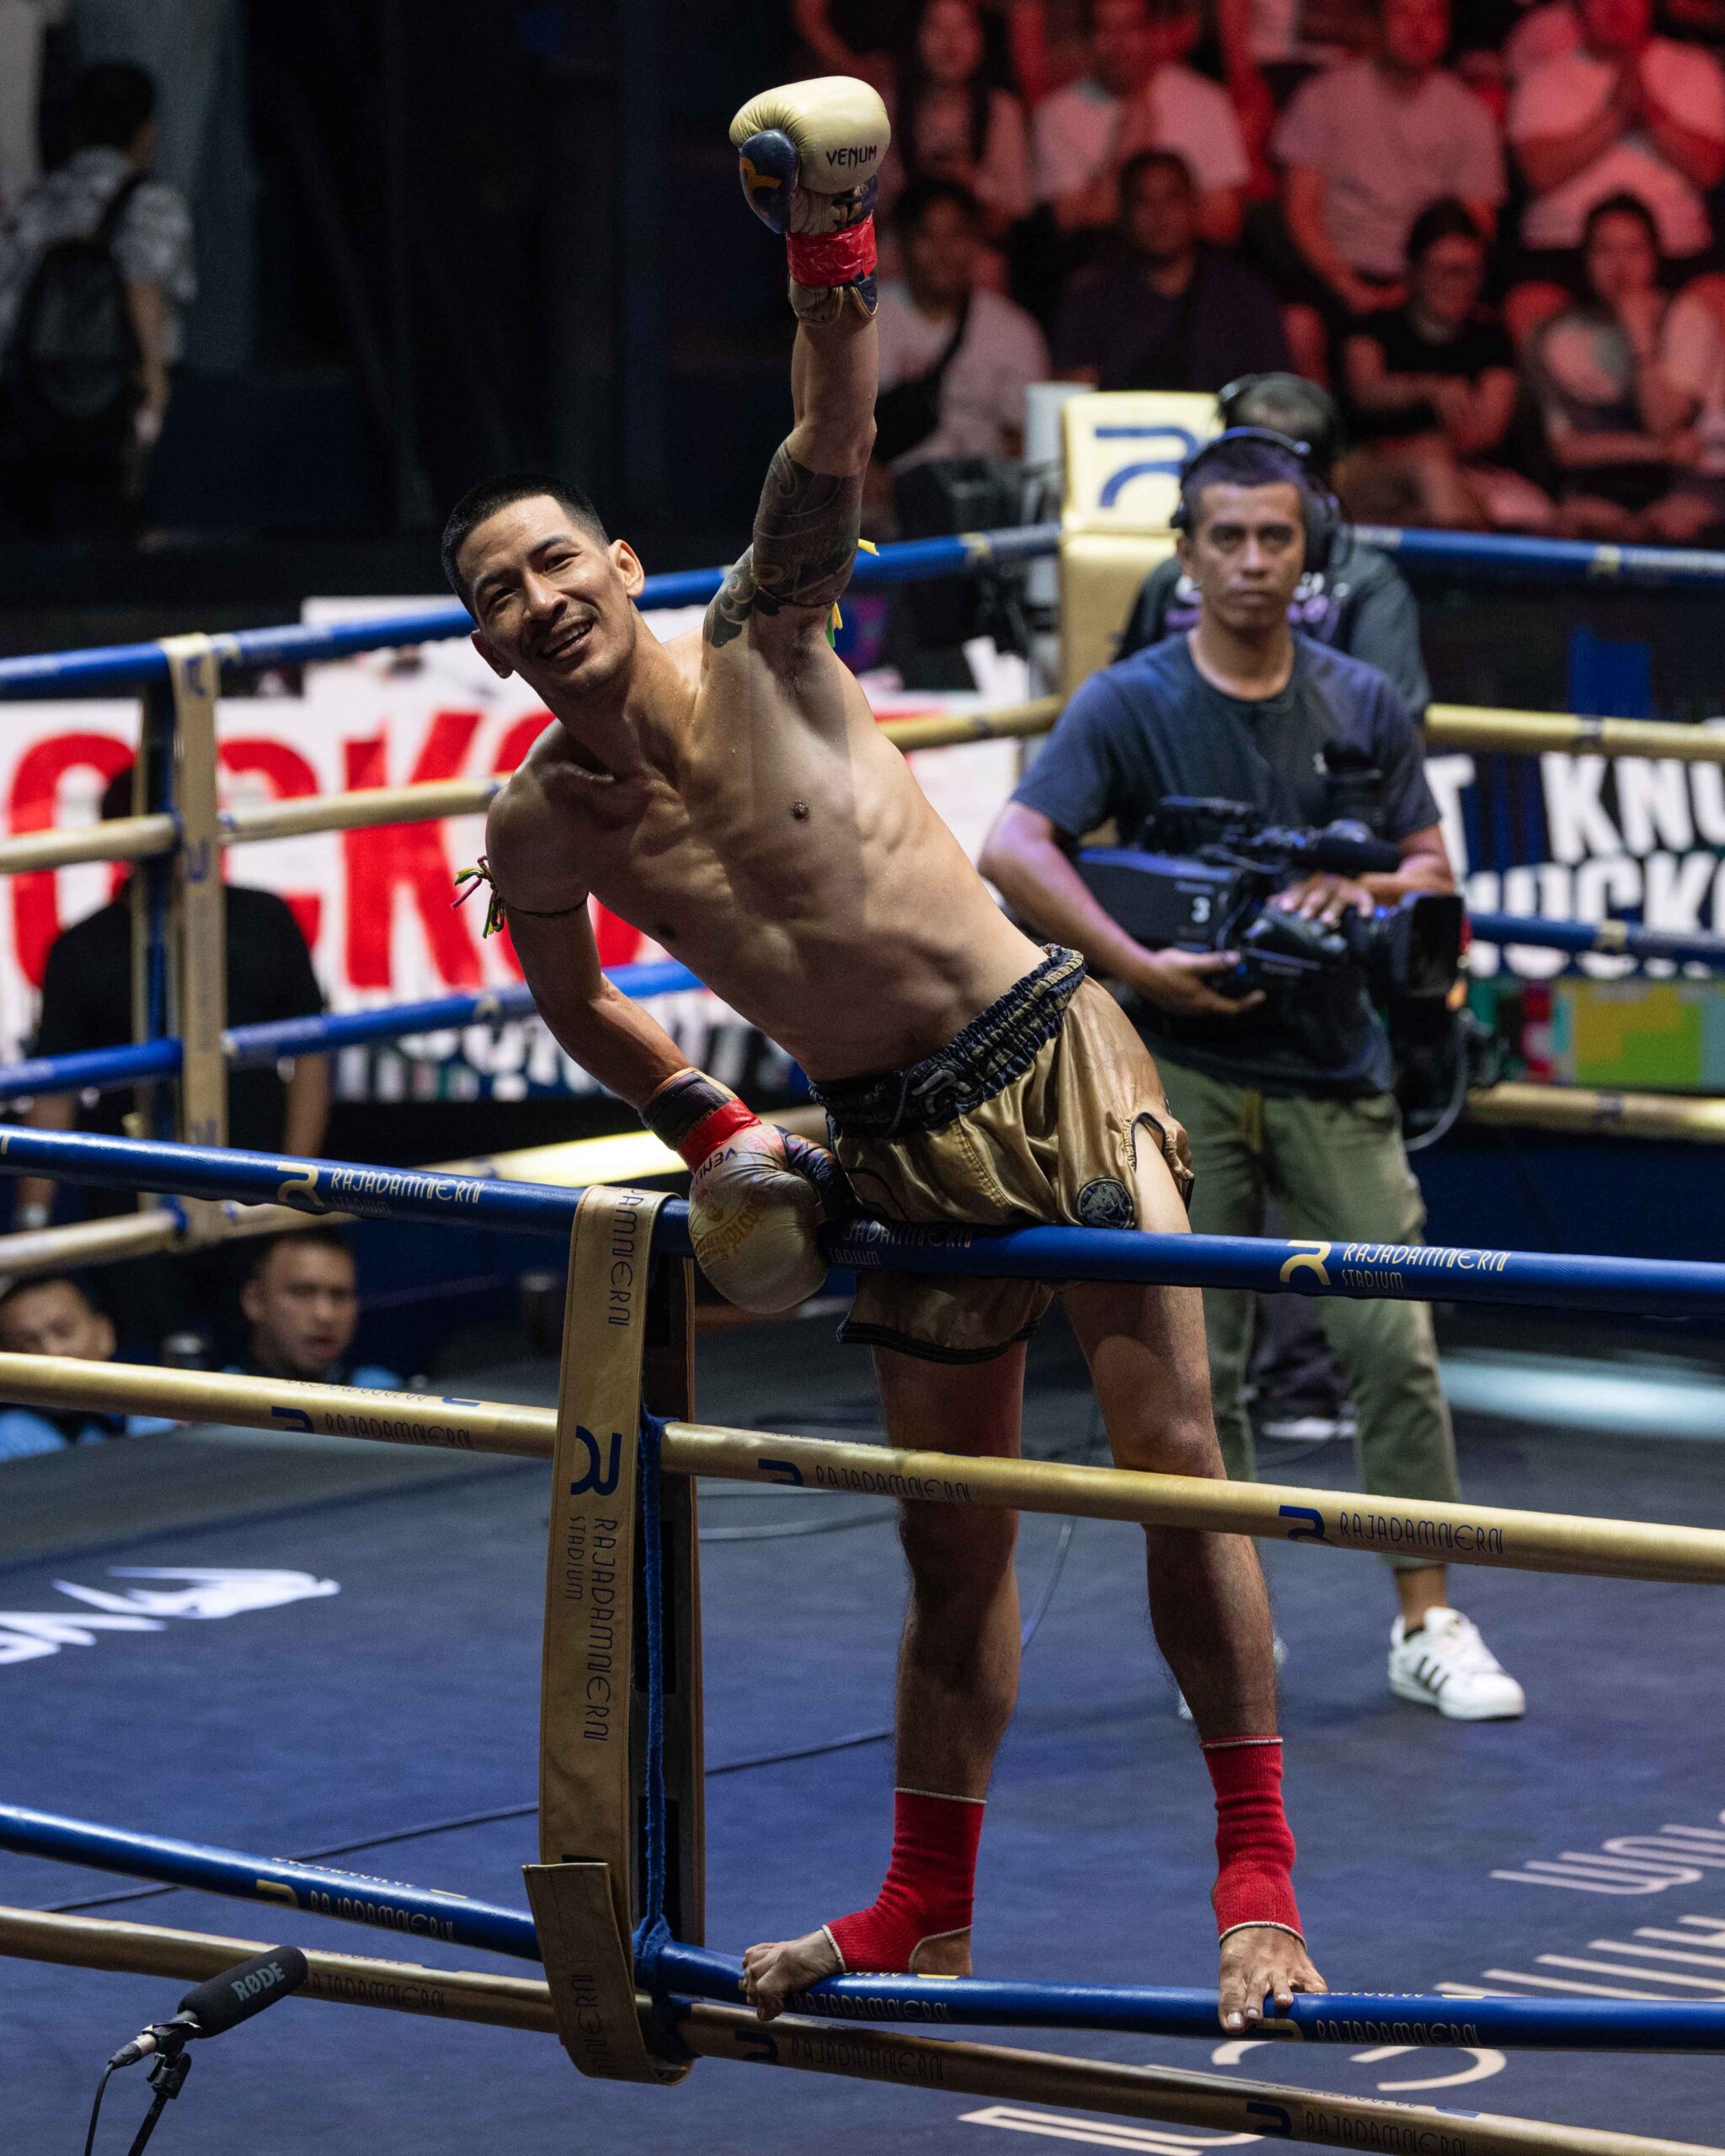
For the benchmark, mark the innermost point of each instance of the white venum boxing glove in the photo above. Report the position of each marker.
(756, 1197)
(810, 156)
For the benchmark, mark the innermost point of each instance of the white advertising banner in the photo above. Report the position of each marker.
(376, 906)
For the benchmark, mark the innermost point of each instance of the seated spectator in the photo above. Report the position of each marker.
(53, 1316)
(1355, 599)
(302, 1305)
(1624, 114)
(955, 360)
(87, 477)
(1365, 147)
(952, 124)
(1621, 383)
(1172, 314)
(1137, 96)
(1431, 390)
(87, 1003)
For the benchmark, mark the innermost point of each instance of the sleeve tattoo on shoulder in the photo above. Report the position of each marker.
(806, 531)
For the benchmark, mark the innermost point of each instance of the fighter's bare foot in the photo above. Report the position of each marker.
(773, 1974)
(1261, 1961)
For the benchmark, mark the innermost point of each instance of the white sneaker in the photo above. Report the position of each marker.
(1279, 1649)
(1448, 1666)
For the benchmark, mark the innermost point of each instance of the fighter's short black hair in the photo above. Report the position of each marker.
(1253, 463)
(321, 1238)
(490, 495)
(110, 103)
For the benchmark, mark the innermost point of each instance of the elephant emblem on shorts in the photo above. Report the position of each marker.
(1105, 1202)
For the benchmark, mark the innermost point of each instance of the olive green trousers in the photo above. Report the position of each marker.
(1339, 1172)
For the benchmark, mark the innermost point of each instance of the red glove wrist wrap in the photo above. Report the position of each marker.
(1254, 1845)
(824, 259)
(694, 1114)
(712, 1130)
(928, 1888)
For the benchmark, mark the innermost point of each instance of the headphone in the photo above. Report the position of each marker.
(1320, 512)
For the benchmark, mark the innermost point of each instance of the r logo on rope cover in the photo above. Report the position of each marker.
(1310, 1257)
(301, 1192)
(599, 1479)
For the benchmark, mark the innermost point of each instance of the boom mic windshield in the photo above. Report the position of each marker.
(222, 2002)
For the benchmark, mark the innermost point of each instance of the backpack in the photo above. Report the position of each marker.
(71, 374)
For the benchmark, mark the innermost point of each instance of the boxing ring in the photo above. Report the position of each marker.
(615, 1903)
(616, 1907)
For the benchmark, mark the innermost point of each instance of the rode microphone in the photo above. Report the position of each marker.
(221, 2002)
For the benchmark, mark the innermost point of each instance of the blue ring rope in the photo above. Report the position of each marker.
(670, 1967)
(249, 1048)
(1478, 554)
(1662, 1287)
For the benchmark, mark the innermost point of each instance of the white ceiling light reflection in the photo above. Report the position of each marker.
(1650, 1399)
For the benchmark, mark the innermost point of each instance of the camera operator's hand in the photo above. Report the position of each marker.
(1173, 980)
(1325, 898)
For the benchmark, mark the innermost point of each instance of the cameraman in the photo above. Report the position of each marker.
(1288, 1094)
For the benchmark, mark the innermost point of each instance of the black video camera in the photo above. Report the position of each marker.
(1203, 874)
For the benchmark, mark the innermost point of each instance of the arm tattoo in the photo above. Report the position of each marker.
(805, 541)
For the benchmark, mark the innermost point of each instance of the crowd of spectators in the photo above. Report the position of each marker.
(286, 1307)
(1489, 228)
(301, 1305)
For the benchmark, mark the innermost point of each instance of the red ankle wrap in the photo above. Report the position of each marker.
(928, 1885)
(1254, 1845)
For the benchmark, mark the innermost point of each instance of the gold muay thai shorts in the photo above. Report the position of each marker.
(1027, 1118)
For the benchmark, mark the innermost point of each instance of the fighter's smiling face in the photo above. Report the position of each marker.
(553, 600)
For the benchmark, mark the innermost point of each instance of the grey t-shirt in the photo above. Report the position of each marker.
(1152, 726)
(1385, 156)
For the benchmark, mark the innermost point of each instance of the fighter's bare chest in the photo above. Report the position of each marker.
(762, 844)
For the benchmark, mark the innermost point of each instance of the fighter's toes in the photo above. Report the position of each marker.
(772, 1973)
(1260, 1963)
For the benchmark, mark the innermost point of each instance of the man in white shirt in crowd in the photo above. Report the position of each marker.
(1364, 149)
(1137, 95)
(1626, 113)
(979, 408)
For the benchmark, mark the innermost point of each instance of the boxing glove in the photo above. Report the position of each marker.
(756, 1197)
(810, 156)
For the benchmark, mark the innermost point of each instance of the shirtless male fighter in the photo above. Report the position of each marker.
(730, 794)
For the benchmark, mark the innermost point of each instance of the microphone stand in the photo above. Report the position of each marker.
(167, 2078)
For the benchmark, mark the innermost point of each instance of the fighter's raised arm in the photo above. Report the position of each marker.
(810, 157)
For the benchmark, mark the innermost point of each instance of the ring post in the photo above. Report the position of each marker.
(601, 1848)
(669, 1391)
(200, 981)
(151, 904)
